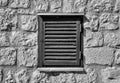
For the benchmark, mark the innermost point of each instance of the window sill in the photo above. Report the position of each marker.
(61, 69)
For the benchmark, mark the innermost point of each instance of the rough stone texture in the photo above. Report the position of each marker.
(8, 19)
(117, 6)
(7, 56)
(92, 22)
(3, 3)
(93, 39)
(102, 55)
(100, 6)
(28, 23)
(40, 77)
(117, 56)
(41, 5)
(112, 39)
(21, 76)
(19, 3)
(27, 56)
(109, 21)
(111, 75)
(23, 3)
(79, 5)
(55, 6)
(1, 75)
(13, 3)
(37, 76)
(10, 77)
(4, 39)
(19, 38)
(68, 5)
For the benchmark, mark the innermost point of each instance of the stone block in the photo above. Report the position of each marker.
(41, 6)
(18, 38)
(9, 77)
(68, 6)
(23, 3)
(1, 74)
(13, 3)
(112, 39)
(8, 19)
(28, 23)
(22, 76)
(27, 56)
(55, 6)
(19, 3)
(93, 39)
(3, 3)
(100, 6)
(109, 21)
(117, 6)
(7, 56)
(102, 55)
(79, 5)
(117, 56)
(110, 75)
(37, 76)
(4, 39)
(92, 22)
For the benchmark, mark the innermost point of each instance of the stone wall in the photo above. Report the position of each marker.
(19, 45)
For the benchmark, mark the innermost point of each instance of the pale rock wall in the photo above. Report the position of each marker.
(19, 45)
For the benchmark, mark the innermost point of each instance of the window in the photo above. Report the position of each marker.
(60, 40)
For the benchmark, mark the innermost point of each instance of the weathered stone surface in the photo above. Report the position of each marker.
(23, 3)
(1, 75)
(4, 39)
(79, 5)
(21, 76)
(13, 3)
(10, 77)
(112, 39)
(117, 56)
(100, 5)
(19, 38)
(102, 55)
(3, 3)
(8, 19)
(117, 6)
(28, 23)
(109, 21)
(93, 39)
(7, 56)
(55, 6)
(110, 75)
(41, 5)
(37, 76)
(68, 5)
(19, 3)
(91, 22)
(27, 56)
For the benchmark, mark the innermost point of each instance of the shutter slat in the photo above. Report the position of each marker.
(60, 54)
(61, 43)
(57, 47)
(60, 40)
(61, 32)
(60, 58)
(60, 50)
(60, 29)
(60, 36)
(60, 62)
(60, 22)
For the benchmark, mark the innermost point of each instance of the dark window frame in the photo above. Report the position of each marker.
(41, 37)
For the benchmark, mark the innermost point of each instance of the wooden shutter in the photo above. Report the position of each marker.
(60, 43)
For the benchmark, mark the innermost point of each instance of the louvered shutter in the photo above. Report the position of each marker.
(61, 43)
